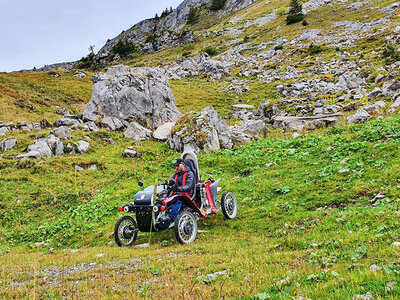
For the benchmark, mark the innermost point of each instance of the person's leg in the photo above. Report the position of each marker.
(177, 204)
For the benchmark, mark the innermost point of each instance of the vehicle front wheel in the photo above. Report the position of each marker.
(229, 205)
(185, 227)
(125, 231)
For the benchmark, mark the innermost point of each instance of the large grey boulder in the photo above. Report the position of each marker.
(8, 144)
(137, 132)
(112, 124)
(350, 82)
(163, 131)
(62, 132)
(361, 116)
(133, 94)
(218, 123)
(389, 88)
(42, 147)
(79, 147)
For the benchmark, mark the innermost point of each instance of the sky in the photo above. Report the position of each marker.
(35, 33)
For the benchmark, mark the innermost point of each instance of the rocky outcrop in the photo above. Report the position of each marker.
(163, 131)
(205, 131)
(112, 124)
(132, 94)
(361, 116)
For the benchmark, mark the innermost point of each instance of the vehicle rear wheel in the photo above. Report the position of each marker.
(125, 231)
(229, 205)
(185, 227)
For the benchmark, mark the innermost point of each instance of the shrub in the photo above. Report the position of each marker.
(315, 49)
(281, 11)
(391, 54)
(246, 39)
(123, 48)
(211, 51)
(304, 23)
(278, 47)
(151, 38)
(217, 4)
(193, 16)
(295, 13)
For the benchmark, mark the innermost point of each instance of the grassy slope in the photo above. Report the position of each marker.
(279, 232)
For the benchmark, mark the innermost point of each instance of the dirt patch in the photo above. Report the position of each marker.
(7, 92)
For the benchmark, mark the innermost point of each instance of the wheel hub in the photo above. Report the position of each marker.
(188, 228)
(127, 232)
(231, 206)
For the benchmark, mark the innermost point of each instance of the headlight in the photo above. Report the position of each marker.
(155, 208)
(126, 208)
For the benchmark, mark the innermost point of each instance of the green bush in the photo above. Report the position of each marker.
(123, 48)
(391, 54)
(151, 38)
(315, 49)
(278, 47)
(211, 51)
(217, 4)
(295, 13)
(246, 39)
(304, 23)
(193, 16)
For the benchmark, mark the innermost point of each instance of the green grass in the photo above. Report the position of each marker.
(271, 239)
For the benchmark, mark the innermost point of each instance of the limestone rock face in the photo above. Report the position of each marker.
(133, 94)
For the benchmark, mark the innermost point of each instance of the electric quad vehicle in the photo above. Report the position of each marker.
(151, 209)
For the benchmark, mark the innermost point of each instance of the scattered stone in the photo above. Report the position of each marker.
(352, 106)
(396, 244)
(54, 201)
(109, 140)
(66, 122)
(79, 168)
(344, 160)
(210, 277)
(90, 126)
(62, 132)
(80, 75)
(24, 104)
(112, 124)
(62, 111)
(92, 167)
(29, 155)
(377, 198)
(99, 255)
(137, 132)
(296, 135)
(74, 250)
(19, 201)
(270, 164)
(39, 244)
(344, 170)
(130, 152)
(366, 296)
(283, 282)
(50, 251)
(374, 108)
(4, 130)
(243, 106)
(145, 245)
(390, 286)
(361, 116)
(81, 146)
(374, 268)
(8, 144)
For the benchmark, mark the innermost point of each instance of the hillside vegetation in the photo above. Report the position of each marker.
(318, 214)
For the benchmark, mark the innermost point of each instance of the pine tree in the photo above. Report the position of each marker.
(156, 17)
(295, 13)
(217, 4)
(193, 16)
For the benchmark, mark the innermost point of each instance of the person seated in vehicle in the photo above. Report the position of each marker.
(184, 185)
